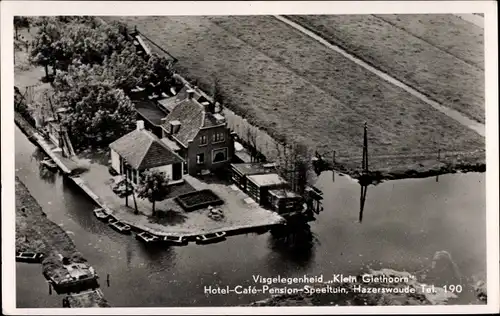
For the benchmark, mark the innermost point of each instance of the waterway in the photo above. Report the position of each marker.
(404, 223)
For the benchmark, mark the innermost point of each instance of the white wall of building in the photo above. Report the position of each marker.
(115, 161)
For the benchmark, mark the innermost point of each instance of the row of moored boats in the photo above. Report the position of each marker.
(149, 238)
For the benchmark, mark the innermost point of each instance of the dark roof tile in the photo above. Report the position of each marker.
(143, 150)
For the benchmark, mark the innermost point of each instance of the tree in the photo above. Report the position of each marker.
(251, 138)
(43, 52)
(20, 22)
(102, 115)
(154, 187)
(91, 44)
(126, 69)
(216, 91)
(99, 113)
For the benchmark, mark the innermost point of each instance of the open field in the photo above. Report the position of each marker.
(447, 72)
(453, 35)
(288, 84)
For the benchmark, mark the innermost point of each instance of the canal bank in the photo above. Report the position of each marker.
(404, 223)
(93, 179)
(35, 233)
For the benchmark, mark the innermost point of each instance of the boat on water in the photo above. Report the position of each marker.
(29, 257)
(175, 240)
(49, 164)
(120, 227)
(71, 277)
(211, 238)
(147, 237)
(101, 214)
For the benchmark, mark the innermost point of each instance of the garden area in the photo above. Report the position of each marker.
(198, 200)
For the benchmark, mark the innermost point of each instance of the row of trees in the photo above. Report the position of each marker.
(94, 69)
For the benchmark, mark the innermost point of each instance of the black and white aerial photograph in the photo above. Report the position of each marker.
(248, 160)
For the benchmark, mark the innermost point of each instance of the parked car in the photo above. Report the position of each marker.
(175, 240)
(211, 238)
(120, 227)
(147, 237)
(101, 214)
(29, 257)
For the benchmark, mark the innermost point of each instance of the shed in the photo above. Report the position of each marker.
(259, 185)
(285, 201)
(240, 171)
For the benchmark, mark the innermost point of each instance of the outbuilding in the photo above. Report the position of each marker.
(259, 185)
(240, 172)
(284, 201)
(141, 150)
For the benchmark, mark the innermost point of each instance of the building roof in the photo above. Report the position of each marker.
(143, 150)
(270, 179)
(279, 193)
(149, 111)
(191, 115)
(170, 144)
(253, 168)
(170, 103)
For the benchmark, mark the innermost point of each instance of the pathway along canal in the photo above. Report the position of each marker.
(404, 223)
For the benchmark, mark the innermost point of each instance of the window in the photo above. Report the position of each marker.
(219, 155)
(203, 140)
(218, 137)
(200, 159)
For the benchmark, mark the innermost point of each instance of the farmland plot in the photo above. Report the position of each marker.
(446, 73)
(290, 85)
(453, 35)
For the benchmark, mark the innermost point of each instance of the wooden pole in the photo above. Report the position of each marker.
(333, 166)
(365, 148)
(126, 185)
(135, 202)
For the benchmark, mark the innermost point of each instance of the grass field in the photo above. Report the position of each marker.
(290, 85)
(447, 32)
(440, 57)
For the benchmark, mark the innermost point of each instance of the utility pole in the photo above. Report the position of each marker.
(126, 185)
(365, 149)
(333, 166)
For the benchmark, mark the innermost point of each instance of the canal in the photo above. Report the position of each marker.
(404, 223)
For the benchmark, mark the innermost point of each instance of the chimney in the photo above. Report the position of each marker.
(219, 119)
(174, 127)
(140, 125)
(190, 93)
(209, 107)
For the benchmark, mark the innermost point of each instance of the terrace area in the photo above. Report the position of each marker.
(238, 211)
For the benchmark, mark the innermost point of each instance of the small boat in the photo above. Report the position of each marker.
(49, 163)
(101, 214)
(147, 237)
(29, 257)
(120, 227)
(175, 240)
(111, 219)
(211, 238)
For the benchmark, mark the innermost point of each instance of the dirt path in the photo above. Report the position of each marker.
(472, 18)
(457, 116)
